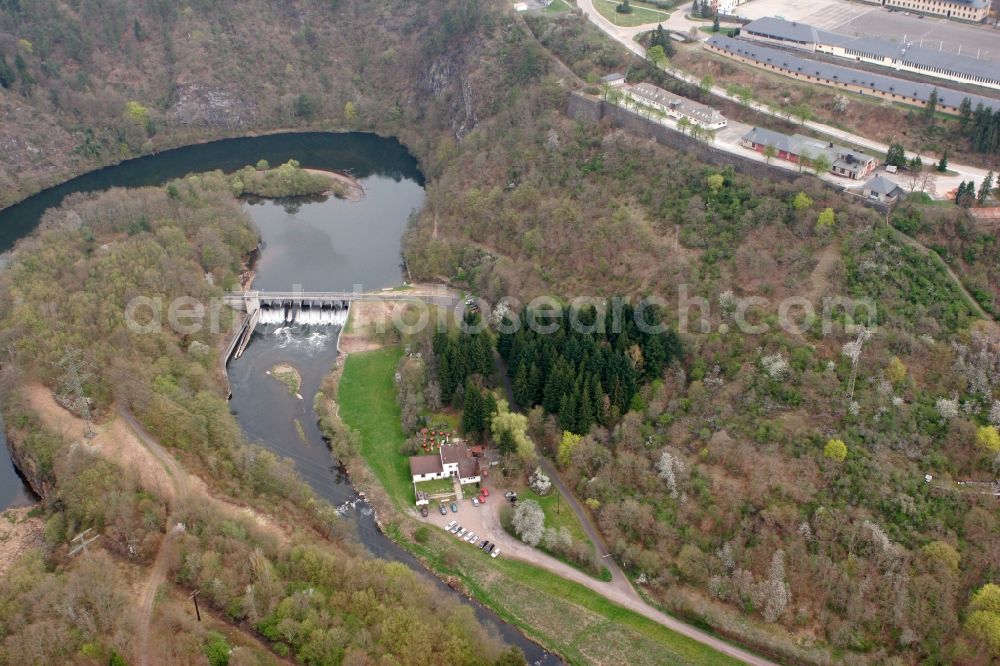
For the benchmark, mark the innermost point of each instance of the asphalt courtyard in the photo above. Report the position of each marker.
(866, 20)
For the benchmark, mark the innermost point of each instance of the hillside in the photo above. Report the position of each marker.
(781, 484)
(97, 82)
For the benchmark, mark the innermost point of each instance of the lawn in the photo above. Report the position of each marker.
(557, 515)
(726, 32)
(558, 6)
(367, 397)
(639, 15)
(436, 486)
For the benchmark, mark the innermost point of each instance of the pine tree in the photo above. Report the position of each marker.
(585, 411)
(521, 389)
(984, 188)
(942, 165)
(931, 107)
(473, 419)
(965, 113)
(445, 378)
(6, 74)
(568, 412)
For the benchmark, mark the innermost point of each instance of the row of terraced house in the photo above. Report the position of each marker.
(670, 105)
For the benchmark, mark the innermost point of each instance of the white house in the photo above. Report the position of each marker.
(675, 106)
(452, 460)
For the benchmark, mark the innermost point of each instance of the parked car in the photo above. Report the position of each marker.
(495, 553)
(471, 537)
(443, 510)
(490, 549)
(450, 525)
(454, 508)
(485, 492)
(484, 545)
(461, 533)
(454, 529)
(482, 499)
(424, 512)
(475, 502)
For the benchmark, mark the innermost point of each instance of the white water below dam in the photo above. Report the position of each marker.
(316, 316)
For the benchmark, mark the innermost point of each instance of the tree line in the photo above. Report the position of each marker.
(981, 126)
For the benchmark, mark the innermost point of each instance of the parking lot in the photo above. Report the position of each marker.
(864, 20)
(475, 518)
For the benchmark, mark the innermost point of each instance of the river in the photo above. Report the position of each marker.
(323, 246)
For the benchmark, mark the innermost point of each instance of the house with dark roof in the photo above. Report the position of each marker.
(882, 189)
(796, 148)
(844, 78)
(675, 106)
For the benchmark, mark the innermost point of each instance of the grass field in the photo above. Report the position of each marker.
(367, 397)
(558, 6)
(639, 16)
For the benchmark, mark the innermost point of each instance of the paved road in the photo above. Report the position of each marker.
(728, 139)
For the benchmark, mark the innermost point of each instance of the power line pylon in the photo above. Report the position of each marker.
(76, 373)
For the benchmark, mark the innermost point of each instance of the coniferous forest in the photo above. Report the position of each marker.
(589, 371)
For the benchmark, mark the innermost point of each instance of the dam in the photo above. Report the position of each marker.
(316, 308)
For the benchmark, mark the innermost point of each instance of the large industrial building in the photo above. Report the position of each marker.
(965, 10)
(906, 56)
(844, 78)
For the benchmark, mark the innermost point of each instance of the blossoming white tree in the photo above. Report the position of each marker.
(669, 467)
(529, 522)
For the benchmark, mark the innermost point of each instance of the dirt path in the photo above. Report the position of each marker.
(819, 279)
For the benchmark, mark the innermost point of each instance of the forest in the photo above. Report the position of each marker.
(567, 372)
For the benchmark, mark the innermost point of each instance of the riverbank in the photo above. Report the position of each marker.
(180, 140)
(344, 186)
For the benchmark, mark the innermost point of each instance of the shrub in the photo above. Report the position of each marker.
(835, 449)
(984, 620)
(988, 439)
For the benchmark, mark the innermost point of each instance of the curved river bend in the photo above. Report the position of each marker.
(324, 246)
